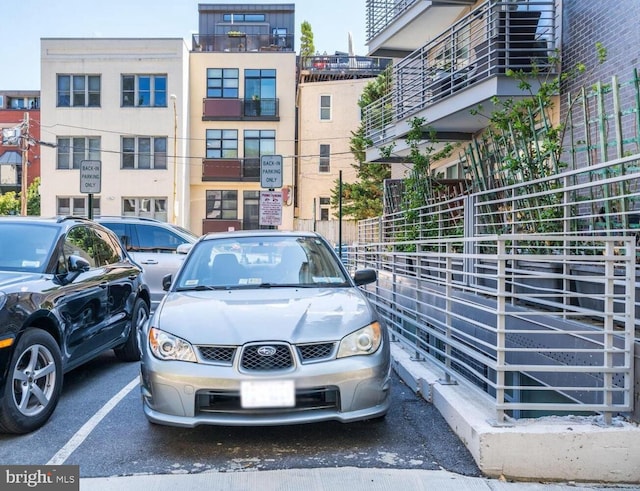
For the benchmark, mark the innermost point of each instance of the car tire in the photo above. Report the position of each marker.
(34, 383)
(129, 351)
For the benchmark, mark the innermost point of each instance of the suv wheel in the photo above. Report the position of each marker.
(129, 350)
(34, 383)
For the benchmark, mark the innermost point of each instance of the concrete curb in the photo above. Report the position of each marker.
(553, 448)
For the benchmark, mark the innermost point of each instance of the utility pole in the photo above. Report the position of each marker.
(24, 146)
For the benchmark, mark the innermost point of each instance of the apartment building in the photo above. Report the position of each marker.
(20, 129)
(242, 76)
(451, 57)
(328, 114)
(121, 102)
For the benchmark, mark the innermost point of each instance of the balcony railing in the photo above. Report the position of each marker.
(240, 109)
(487, 42)
(380, 13)
(343, 63)
(241, 42)
(231, 169)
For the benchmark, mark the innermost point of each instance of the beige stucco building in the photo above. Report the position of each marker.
(121, 102)
(328, 113)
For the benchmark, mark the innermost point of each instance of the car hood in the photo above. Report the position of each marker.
(10, 280)
(236, 317)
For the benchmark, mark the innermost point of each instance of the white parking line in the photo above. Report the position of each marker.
(61, 456)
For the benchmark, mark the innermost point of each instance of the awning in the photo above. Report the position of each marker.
(11, 158)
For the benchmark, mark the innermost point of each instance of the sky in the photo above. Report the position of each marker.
(26, 21)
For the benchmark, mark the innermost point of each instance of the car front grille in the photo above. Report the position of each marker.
(210, 401)
(220, 355)
(315, 352)
(266, 357)
(252, 360)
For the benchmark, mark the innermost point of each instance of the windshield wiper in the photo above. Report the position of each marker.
(200, 288)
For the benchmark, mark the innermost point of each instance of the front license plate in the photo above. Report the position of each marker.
(267, 393)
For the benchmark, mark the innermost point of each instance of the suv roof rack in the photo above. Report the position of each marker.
(147, 219)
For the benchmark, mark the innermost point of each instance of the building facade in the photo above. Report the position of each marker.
(20, 144)
(121, 102)
(242, 80)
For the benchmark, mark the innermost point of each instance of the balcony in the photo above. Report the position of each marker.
(239, 42)
(395, 27)
(461, 69)
(247, 170)
(241, 109)
(339, 67)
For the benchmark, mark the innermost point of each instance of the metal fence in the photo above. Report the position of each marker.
(542, 323)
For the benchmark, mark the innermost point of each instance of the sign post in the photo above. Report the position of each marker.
(90, 180)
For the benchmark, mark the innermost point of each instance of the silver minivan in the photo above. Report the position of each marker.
(153, 245)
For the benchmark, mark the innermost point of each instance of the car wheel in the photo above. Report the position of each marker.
(129, 350)
(34, 383)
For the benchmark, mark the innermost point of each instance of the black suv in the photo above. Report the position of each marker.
(68, 292)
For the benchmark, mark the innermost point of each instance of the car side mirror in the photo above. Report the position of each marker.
(365, 276)
(166, 282)
(78, 264)
(184, 248)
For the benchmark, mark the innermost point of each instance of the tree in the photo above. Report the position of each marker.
(364, 198)
(306, 40)
(10, 202)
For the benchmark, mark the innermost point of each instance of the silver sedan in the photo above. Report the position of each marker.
(264, 328)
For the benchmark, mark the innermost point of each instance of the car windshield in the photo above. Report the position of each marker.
(25, 247)
(261, 262)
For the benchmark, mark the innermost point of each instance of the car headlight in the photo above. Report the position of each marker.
(361, 342)
(166, 346)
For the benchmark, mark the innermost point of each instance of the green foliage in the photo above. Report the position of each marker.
(307, 47)
(10, 203)
(364, 198)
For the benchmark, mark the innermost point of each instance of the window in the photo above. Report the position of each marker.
(259, 142)
(144, 90)
(243, 17)
(222, 83)
(144, 152)
(325, 158)
(222, 205)
(325, 108)
(74, 149)
(222, 144)
(145, 207)
(260, 88)
(256, 144)
(325, 204)
(78, 91)
(77, 206)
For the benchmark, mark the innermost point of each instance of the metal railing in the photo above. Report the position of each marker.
(489, 41)
(499, 319)
(542, 323)
(241, 42)
(380, 13)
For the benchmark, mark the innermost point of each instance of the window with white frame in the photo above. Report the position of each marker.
(144, 152)
(78, 91)
(71, 150)
(325, 205)
(325, 158)
(151, 207)
(222, 83)
(77, 206)
(325, 108)
(144, 91)
(222, 144)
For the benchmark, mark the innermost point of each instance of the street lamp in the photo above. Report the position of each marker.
(175, 157)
